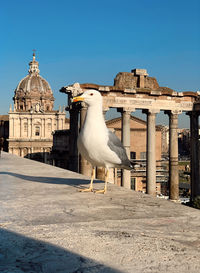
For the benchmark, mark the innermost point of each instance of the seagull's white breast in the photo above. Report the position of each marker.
(93, 143)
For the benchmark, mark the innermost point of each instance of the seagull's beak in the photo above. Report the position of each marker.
(76, 99)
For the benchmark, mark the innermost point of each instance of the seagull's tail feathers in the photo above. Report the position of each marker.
(128, 165)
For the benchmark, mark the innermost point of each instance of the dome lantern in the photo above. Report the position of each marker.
(34, 66)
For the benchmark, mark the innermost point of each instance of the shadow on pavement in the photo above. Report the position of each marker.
(50, 180)
(20, 254)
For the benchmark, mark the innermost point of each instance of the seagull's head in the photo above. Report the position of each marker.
(90, 97)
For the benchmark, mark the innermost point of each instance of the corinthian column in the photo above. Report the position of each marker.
(194, 155)
(173, 155)
(126, 174)
(151, 151)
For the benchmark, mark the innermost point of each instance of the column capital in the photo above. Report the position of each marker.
(127, 110)
(105, 109)
(150, 111)
(173, 112)
(73, 90)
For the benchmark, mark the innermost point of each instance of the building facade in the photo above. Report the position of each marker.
(33, 120)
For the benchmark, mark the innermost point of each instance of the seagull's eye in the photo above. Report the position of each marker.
(91, 94)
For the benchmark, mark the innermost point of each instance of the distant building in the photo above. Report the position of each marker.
(165, 139)
(184, 143)
(33, 119)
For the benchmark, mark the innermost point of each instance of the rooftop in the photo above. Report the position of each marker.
(48, 226)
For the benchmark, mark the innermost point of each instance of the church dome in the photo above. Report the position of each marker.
(32, 90)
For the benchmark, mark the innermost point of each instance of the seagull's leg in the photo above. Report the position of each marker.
(106, 182)
(90, 189)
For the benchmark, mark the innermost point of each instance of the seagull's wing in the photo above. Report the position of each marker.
(116, 146)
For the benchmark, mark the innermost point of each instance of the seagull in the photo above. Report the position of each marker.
(96, 143)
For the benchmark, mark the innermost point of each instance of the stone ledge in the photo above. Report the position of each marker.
(47, 225)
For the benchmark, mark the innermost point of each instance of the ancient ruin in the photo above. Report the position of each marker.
(136, 90)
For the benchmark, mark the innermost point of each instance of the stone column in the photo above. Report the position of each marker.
(14, 126)
(194, 155)
(29, 127)
(52, 125)
(60, 121)
(84, 166)
(126, 174)
(11, 127)
(32, 127)
(73, 151)
(151, 152)
(44, 127)
(21, 127)
(173, 155)
(41, 127)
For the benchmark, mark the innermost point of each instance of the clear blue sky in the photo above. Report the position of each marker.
(91, 41)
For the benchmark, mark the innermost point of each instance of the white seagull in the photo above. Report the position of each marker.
(96, 143)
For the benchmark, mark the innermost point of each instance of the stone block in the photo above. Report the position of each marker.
(139, 72)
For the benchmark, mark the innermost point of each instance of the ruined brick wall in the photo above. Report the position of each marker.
(129, 80)
(126, 80)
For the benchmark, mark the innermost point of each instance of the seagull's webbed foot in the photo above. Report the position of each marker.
(90, 189)
(101, 191)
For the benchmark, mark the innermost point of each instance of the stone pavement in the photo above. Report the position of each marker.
(47, 225)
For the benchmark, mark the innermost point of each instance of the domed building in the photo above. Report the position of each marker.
(33, 120)
(33, 90)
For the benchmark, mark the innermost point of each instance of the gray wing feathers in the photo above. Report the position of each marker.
(116, 146)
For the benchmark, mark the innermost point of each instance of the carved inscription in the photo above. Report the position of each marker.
(133, 101)
(147, 103)
(186, 104)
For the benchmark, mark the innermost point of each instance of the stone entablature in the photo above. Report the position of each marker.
(144, 98)
(139, 98)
